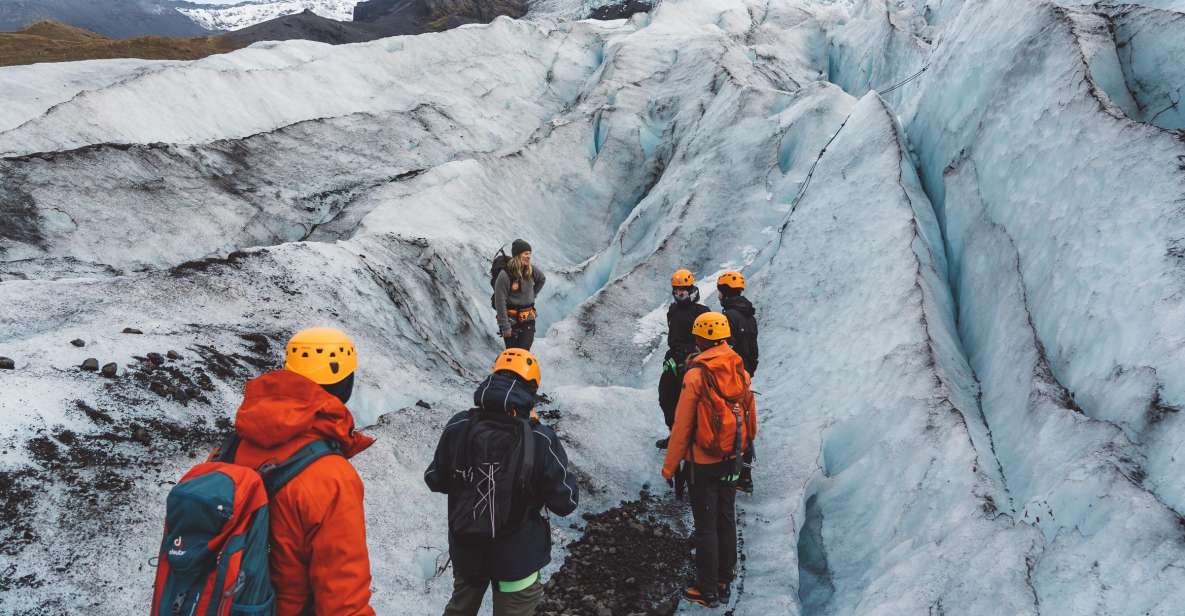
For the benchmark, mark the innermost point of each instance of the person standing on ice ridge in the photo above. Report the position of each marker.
(715, 422)
(516, 283)
(500, 468)
(319, 561)
(680, 316)
(742, 321)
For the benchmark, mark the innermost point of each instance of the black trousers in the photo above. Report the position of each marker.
(522, 335)
(713, 504)
(669, 386)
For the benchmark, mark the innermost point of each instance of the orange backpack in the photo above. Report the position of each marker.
(722, 428)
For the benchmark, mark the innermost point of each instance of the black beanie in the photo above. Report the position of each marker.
(519, 247)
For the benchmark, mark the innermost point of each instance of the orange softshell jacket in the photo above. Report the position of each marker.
(695, 400)
(319, 560)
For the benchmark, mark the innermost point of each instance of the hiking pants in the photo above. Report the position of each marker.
(467, 596)
(522, 335)
(669, 386)
(713, 504)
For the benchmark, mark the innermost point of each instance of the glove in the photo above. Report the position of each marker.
(671, 482)
(506, 333)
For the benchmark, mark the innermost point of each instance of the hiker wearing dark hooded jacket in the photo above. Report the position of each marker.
(510, 561)
(742, 320)
(680, 345)
(515, 289)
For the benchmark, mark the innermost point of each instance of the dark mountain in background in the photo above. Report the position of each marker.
(110, 18)
(622, 10)
(381, 18)
(413, 16)
(25, 39)
(307, 26)
(394, 16)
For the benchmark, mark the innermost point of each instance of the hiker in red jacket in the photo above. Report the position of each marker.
(319, 560)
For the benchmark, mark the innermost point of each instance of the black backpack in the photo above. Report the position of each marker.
(492, 472)
(496, 267)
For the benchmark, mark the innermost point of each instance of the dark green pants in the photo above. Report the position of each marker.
(467, 596)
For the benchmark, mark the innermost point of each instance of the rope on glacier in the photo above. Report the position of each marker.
(905, 81)
(811, 173)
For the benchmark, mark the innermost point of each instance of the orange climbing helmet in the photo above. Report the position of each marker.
(711, 326)
(324, 355)
(682, 278)
(731, 280)
(520, 362)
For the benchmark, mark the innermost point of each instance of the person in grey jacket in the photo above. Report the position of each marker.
(514, 297)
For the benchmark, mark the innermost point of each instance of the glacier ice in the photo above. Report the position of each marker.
(970, 284)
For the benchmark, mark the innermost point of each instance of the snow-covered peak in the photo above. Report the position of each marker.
(239, 16)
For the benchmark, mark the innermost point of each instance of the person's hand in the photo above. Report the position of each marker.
(670, 477)
(506, 333)
(671, 482)
(534, 416)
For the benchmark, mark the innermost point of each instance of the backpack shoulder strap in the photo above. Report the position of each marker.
(278, 475)
(226, 450)
(527, 469)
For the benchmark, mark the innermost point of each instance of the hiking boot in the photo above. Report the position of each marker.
(745, 484)
(662, 443)
(693, 595)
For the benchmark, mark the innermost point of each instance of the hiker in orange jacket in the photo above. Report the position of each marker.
(319, 560)
(715, 422)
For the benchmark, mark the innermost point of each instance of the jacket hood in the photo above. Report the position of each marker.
(727, 371)
(740, 303)
(283, 407)
(501, 393)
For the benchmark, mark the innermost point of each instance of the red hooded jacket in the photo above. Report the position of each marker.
(319, 560)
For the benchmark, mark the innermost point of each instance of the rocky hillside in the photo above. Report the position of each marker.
(50, 41)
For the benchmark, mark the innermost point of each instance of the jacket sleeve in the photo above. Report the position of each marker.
(751, 416)
(335, 525)
(501, 290)
(440, 472)
(559, 490)
(756, 353)
(539, 278)
(684, 419)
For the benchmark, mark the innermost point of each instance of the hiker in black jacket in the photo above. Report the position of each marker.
(498, 483)
(680, 344)
(515, 288)
(742, 320)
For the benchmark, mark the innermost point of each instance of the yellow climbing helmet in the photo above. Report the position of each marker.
(520, 362)
(682, 278)
(732, 280)
(711, 326)
(323, 354)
